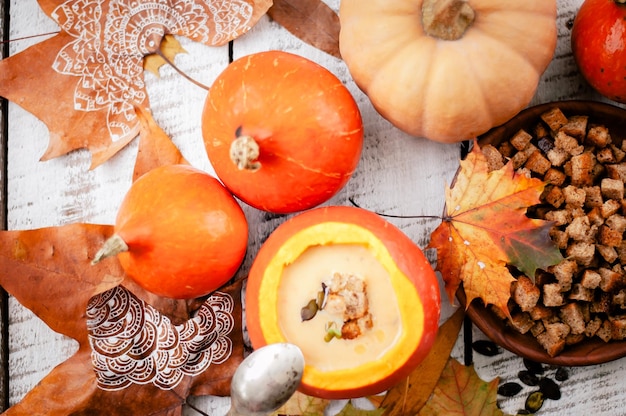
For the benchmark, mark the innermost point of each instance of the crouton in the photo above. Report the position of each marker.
(525, 293)
(495, 160)
(554, 118)
(598, 136)
(521, 139)
(576, 126)
(612, 189)
(582, 169)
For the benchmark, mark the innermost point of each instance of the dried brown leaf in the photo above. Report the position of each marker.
(312, 21)
(410, 396)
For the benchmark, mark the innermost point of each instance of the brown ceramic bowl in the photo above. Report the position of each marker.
(592, 350)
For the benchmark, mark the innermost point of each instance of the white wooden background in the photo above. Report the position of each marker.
(398, 175)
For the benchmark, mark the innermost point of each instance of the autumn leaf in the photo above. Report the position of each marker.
(302, 405)
(461, 392)
(485, 229)
(91, 73)
(409, 396)
(170, 47)
(49, 271)
(155, 146)
(312, 21)
(350, 410)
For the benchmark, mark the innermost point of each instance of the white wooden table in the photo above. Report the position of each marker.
(398, 175)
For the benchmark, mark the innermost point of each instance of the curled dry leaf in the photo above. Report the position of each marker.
(485, 229)
(92, 93)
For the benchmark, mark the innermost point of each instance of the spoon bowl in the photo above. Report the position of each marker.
(266, 379)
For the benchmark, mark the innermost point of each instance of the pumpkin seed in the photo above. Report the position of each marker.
(322, 296)
(509, 389)
(528, 378)
(549, 388)
(523, 412)
(533, 366)
(309, 311)
(561, 374)
(486, 348)
(534, 401)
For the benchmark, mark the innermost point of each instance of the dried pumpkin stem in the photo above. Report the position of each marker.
(244, 152)
(112, 247)
(447, 19)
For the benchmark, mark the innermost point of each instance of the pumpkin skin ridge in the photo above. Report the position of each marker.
(421, 330)
(361, 65)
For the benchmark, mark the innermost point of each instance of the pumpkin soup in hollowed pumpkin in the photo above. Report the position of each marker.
(353, 292)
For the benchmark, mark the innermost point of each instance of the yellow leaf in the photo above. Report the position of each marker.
(409, 396)
(170, 47)
(302, 405)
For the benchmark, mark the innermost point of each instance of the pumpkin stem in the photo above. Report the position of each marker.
(112, 247)
(244, 152)
(447, 19)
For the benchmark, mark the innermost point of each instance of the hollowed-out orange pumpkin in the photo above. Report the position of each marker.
(282, 132)
(400, 286)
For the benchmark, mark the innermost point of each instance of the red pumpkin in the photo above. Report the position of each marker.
(389, 290)
(178, 233)
(599, 46)
(282, 132)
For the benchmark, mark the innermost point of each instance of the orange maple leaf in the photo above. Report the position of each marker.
(485, 229)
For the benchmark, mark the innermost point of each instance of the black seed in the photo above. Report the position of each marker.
(523, 412)
(550, 389)
(485, 347)
(509, 389)
(528, 378)
(533, 366)
(561, 374)
(534, 401)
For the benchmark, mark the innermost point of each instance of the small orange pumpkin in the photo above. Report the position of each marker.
(282, 132)
(307, 262)
(178, 233)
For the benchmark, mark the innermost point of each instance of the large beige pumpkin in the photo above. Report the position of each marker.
(448, 70)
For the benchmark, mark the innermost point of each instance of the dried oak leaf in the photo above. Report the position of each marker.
(49, 271)
(85, 82)
(485, 229)
(312, 21)
(461, 392)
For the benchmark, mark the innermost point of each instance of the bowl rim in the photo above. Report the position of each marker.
(590, 351)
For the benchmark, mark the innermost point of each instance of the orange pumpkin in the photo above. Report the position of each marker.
(282, 132)
(178, 233)
(448, 70)
(352, 291)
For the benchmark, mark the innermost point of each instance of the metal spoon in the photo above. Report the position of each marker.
(266, 379)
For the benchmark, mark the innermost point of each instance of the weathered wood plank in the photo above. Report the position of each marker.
(4, 300)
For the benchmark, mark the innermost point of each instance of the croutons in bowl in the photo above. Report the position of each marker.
(575, 312)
